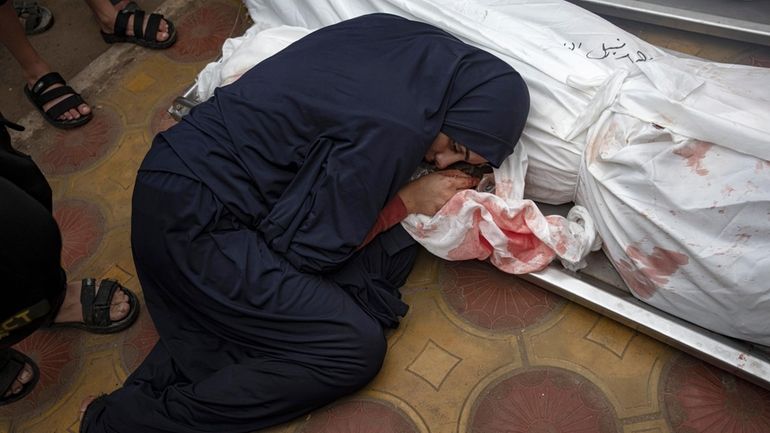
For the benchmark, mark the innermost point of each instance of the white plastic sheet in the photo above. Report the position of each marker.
(668, 155)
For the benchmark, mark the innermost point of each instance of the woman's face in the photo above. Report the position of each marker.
(445, 151)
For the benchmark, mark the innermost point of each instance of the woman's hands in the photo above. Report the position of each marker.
(430, 193)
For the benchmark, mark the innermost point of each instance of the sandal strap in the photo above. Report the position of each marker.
(41, 95)
(87, 296)
(50, 95)
(139, 24)
(45, 82)
(153, 25)
(103, 302)
(73, 101)
(121, 22)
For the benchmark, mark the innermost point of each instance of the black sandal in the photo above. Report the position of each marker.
(143, 36)
(96, 308)
(14, 361)
(41, 94)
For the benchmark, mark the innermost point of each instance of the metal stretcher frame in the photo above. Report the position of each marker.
(745, 20)
(599, 288)
(743, 359)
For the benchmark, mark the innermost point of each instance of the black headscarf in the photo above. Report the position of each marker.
(309, 145)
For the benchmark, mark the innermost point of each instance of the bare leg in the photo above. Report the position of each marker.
(33, 66)
(105, 13)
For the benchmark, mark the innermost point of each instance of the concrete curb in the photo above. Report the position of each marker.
(94, 78)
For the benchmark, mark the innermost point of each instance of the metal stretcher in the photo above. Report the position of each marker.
(742, 20)
(600, 288)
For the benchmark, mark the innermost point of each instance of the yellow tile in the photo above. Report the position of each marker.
(626, 366)
(471, 359)
(610, 336)
(117, 273)
(139, 82)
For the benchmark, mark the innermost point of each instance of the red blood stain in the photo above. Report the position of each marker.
(743, 238)
(693, 154)
(525, 247)
(761, 165)
(644, 273)
(454, 205)
(728, 190)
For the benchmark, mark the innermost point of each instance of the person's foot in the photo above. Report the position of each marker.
(107, 21)
(72, 114)
(72, 311)
(24, 377)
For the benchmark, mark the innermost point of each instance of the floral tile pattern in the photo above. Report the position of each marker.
(479, 351)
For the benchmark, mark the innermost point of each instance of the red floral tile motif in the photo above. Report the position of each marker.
(703, 399)
(82, 227)
(202, 32)
(359, 416)
(543, 400)
(55, 353)
(139, 341)
(76, 149)
(494, 300)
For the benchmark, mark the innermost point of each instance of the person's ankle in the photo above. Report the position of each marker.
(35, 72)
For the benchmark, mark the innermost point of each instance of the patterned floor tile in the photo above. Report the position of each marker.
(213, 23)
(64, 152)
(479, 351)
(57, 354)
(548, 400)
(357, 416)
(701, 398)
(493, 300)
(82, 228)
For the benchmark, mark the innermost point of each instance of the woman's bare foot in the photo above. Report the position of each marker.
(84, 405)
(72, 311)
(24, 377)
(106, 14)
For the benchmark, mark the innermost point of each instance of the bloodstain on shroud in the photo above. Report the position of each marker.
(644, 273)
(694, 153)
(525, 252)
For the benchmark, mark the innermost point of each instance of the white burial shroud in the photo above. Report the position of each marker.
(667, 157)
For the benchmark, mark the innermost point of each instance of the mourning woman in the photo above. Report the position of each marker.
(265, 228)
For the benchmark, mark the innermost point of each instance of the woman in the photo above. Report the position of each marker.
(254, 221)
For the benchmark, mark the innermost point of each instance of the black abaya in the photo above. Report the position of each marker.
(248, 215)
